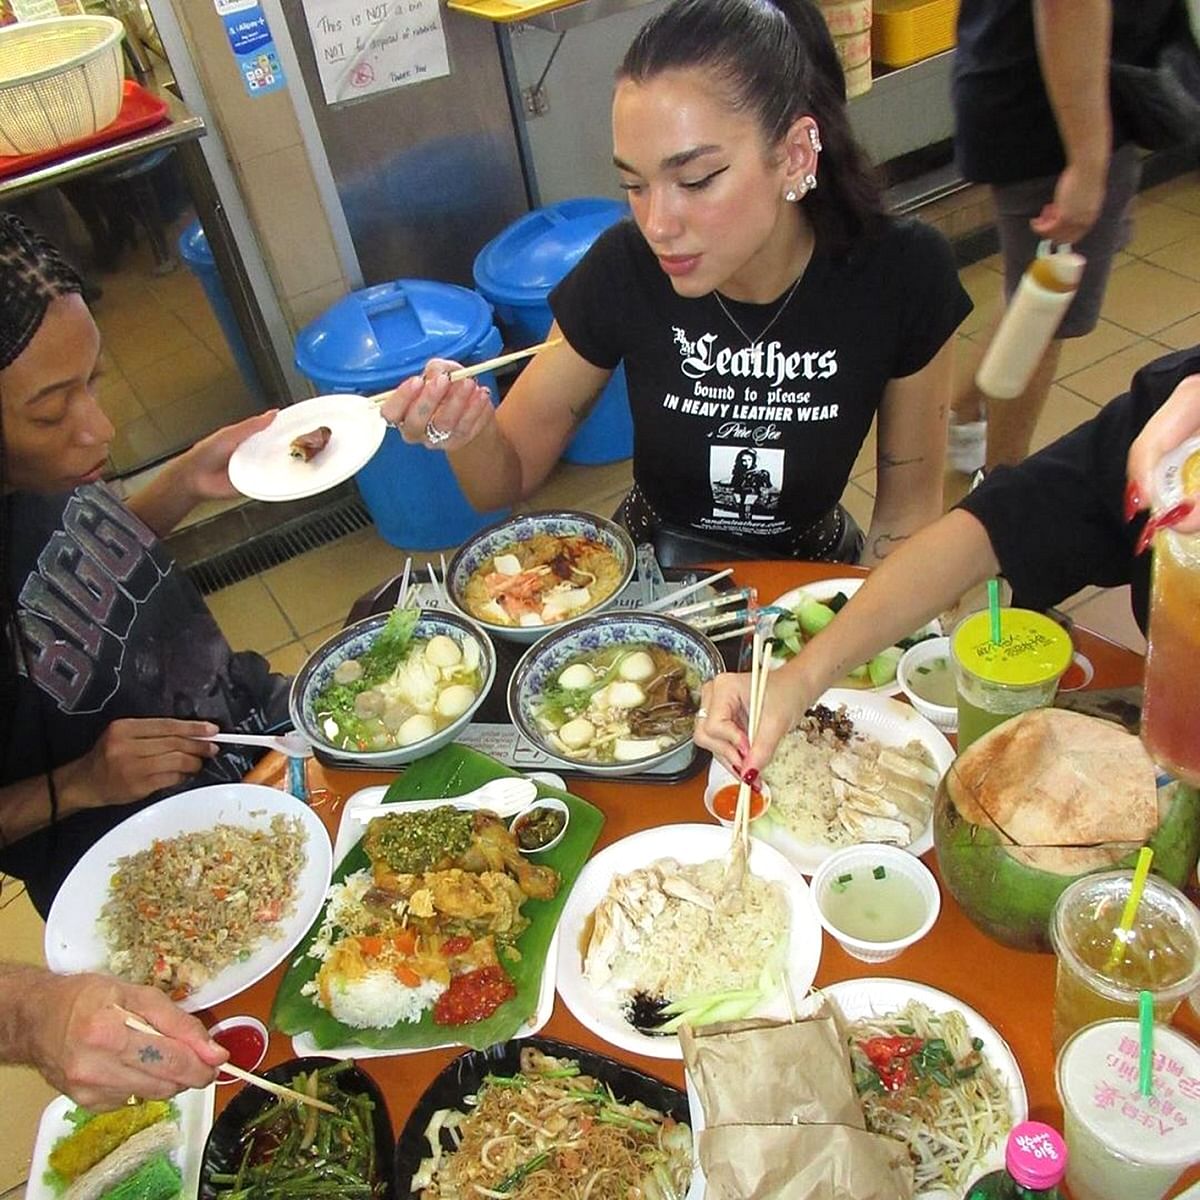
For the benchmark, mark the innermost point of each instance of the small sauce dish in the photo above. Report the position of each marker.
(926, 676)
(246, 1040)
(541, 826)
(721, 802)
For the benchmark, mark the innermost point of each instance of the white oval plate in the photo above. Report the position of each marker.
(858, 998)
(74, 941)
(888, 721)
(601, 1012)
(263, 468)
(195, 1120)
(826, 589)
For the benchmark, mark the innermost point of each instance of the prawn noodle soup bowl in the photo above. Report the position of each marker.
(317, 676)
(606, 554)
(606, 643)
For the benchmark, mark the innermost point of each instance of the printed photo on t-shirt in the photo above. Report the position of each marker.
(746, 482)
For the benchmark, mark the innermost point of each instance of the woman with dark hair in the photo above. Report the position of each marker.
(99, 631)
(759, 299)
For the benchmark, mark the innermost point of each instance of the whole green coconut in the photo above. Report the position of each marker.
(1043, 799)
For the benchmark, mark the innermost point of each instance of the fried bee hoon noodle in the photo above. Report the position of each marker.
(553, 1133)
(922, 1078)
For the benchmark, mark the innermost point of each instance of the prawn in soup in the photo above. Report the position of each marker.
(543, 580)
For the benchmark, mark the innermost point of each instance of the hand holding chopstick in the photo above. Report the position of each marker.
(134, 1022)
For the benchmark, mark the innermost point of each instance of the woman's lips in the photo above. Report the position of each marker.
(95, 473)
(679, 264)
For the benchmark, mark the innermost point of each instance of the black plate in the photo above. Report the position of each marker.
(221, 1152)
(463, 1076)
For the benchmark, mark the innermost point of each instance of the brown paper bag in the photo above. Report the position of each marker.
(770, 1073)
(803, 1162)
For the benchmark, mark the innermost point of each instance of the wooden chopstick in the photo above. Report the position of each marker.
(502, 360)
(276, 1089)
(672, 598)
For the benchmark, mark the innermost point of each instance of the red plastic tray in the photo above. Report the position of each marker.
(139, 110)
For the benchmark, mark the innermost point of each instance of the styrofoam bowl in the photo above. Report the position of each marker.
(894, 859)
(945, 717)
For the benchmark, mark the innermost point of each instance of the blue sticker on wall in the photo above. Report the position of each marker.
(250, 39)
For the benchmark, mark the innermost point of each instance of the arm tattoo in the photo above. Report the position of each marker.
(887, 460)
(148, 1054)
(885, 543)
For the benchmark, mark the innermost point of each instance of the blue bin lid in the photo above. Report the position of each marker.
(193, 246)
(524, 262)
(379, 335)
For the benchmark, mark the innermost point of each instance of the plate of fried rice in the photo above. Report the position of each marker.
(199, 895)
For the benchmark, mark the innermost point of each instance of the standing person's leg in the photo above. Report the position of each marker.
(1011, 423)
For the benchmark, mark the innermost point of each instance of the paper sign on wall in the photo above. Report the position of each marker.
(366, 46)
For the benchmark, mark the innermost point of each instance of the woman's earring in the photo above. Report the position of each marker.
(791, 195)
(814, 139)
(810, 182)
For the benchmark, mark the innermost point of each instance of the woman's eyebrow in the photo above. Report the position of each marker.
(48, 390)
(672, 161)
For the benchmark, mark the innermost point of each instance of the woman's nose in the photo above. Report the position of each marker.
(94, 428)
(662, 222)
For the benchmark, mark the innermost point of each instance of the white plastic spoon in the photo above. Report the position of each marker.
(505, 797)
(293, 744)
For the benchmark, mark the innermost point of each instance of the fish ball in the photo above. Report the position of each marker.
(396, 714)
(624, 694)
(577, 733)
(470, 654)
(638, 666)
(455, 700)
(348, 671)
(577, 675)
(369, 704)
(416, 729)
(443, 651)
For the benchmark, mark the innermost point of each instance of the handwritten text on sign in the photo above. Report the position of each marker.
(365, 46)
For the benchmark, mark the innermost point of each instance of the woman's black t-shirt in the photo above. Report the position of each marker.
(759, 440)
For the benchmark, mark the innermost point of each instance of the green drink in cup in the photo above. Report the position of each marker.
(996, 680)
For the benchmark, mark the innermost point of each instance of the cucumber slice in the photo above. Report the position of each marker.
(882, 668)
(813, 615)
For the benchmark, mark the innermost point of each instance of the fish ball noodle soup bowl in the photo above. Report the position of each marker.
(394, 687)
(614, 694)
(523, 577)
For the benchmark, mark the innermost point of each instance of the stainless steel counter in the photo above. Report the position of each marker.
(179, 126)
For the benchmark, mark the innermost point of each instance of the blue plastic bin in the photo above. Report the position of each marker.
(369, 342)
(193, 249)
(517, 270)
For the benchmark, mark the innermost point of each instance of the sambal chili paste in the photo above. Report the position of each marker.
(473, 996)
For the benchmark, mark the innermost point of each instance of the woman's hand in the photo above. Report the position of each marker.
(73, 1031)
(207, 463)
(1176, 421)
(133, 758)
(430, 410)
(724, 707)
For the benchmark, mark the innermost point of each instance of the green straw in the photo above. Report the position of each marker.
(994, 608)
(1146, 1055)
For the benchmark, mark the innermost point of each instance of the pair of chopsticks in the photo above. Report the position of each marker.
(489, 364)
(441, 593)
(134, 1022)
(760, 674)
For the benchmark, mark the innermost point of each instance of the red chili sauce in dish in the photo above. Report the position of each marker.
(244, 1043)
(473, 996)
(724, 802)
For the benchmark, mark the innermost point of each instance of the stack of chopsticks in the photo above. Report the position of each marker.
(728, 615)
(760, 673)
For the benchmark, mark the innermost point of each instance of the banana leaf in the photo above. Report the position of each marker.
(452, 771)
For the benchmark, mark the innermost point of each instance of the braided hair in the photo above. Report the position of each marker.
(32, 276)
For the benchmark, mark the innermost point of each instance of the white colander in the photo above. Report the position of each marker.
(60, 80)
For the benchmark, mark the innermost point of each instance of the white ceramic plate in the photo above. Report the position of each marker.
(858, 998)
(601, 1012)
(195, 1119)
(263, 468)
(826, 589)
(75, 943)
(350, 832)
(889, 722)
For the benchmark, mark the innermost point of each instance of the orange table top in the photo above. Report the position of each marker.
(1013, 989)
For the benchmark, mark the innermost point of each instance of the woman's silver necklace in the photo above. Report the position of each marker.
(752, 342)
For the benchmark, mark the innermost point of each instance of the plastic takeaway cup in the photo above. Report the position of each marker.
(997, 680)
(1123, 1145)
(1161, 952)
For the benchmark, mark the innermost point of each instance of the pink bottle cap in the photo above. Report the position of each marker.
(1036, 1156)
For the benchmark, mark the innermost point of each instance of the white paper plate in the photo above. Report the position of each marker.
(74, 941)
(350, 832)
(826, 589)
(263, 468)
(195, 1119)
(600, 1012)
(889, 722)
(857, 998)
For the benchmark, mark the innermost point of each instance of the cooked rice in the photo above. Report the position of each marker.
(803, 797)
(379, 1000)
(186, 907)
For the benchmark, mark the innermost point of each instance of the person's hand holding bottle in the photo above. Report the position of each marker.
(1176, 421)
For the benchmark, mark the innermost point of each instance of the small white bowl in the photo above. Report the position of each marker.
(242, 1022)
(894, 860)
(945, 717)
(719, 778)
(550, 802)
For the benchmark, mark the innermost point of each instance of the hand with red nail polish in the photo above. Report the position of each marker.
(1172, 518)
(1176, 421)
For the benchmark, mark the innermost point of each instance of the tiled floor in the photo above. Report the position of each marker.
(1152, 306)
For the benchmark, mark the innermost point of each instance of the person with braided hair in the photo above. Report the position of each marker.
(111, 666)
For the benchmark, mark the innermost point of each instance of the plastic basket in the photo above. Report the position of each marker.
(60, 80)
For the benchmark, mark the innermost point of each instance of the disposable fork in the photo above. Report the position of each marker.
(505, 797)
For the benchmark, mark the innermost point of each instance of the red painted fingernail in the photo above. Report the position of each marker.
(1134, 500)
(751, 776)
(1145, 537)
(1163, 520)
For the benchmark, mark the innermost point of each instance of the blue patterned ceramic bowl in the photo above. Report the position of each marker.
(352, 642)
(491, 541)
(541, 664)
